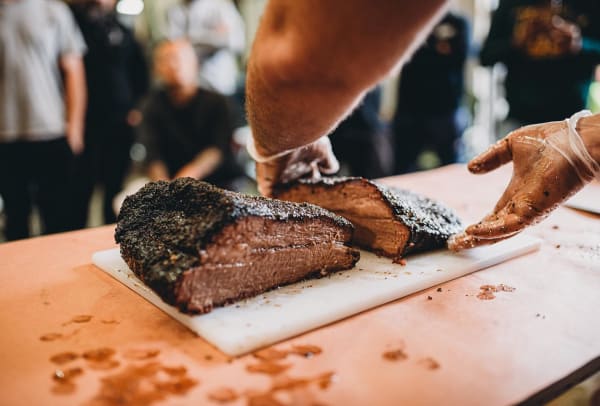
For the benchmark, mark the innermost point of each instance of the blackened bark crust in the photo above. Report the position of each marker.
(429, 222)
(163, 227)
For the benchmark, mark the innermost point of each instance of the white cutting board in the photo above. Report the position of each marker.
(294, 309)
(588, 199)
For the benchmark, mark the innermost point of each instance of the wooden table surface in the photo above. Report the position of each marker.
(451, 349)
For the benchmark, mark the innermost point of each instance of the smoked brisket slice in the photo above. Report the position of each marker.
(388, 221)
(198, 246)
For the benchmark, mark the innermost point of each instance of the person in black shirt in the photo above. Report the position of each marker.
(186, 130)
(550, 49)
(117, 78)
(430, 91)
(361, 142)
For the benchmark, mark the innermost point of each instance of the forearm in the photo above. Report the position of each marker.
(157, 170)
(589, 130)
(312, 60)
(75, 93)
(205, 163)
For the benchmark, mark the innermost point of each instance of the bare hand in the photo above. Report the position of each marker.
(547, 36)
(310, 160)
(157, 170)
(134, 117)
(187, 171)
(545, 173)
(75, 138)
(567, 34)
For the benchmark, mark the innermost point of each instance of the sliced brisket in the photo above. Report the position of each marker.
(391, 222)
(198, 246)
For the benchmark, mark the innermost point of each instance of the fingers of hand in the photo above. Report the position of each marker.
(497, 226)
(497, 155)
(516, 215)
(502, 152)
(514, 186)
(463, 241)
(490, 230)
(265, 190)
(296, 170)
(323, 152)
(315, 174)
(313, 160)
(329, 165)
(309, 161)
(266, 178)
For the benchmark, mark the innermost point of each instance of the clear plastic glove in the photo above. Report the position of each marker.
(550, 164)
(311, 161)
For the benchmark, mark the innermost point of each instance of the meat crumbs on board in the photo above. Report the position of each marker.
(487, 291)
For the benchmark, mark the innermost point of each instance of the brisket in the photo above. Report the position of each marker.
(198, 246)
(388, 221)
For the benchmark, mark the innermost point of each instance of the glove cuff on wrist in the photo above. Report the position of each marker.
(254, 154)
(589, 164)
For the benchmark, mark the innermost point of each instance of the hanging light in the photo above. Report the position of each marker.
(130, 7)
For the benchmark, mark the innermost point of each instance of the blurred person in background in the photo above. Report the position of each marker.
(430, 91)
(550, 49)
(186, 130)
(42, 88)
(594, 95)
(361, 142)
(117, 78)
(216, 31)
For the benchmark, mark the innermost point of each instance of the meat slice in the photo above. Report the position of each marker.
(390, 222)
(199, 246)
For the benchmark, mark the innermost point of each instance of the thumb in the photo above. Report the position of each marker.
(495, 156)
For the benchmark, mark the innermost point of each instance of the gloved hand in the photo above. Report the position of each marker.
(551, 164)
(308, 161)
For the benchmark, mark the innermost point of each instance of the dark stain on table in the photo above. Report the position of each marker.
(395, 355)
(64, 357)
(64, 380)
(145, 384)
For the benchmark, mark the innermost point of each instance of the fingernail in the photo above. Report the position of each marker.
(454, 241)
(461, 241)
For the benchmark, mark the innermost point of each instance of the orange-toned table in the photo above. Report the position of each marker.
(454, 348)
